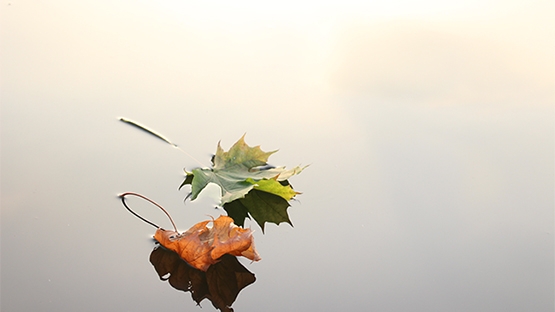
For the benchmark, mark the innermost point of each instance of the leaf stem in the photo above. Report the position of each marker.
(193, 158)
(159, 136)
(150, 201)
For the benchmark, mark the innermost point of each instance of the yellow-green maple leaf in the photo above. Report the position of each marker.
(240, 170)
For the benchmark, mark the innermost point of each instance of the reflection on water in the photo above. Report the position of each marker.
(220, 284)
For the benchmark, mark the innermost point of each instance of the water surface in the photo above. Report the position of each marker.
(430, 144)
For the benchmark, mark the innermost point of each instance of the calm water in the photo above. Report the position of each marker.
(431, 147)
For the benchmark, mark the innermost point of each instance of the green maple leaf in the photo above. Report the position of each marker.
(262, 206)
(241, 170)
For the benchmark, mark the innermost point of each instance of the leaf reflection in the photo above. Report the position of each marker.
(220, 284)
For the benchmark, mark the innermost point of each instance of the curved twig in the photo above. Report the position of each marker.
(150, 201)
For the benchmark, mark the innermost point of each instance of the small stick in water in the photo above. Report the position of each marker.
(122, 196)
(161, 137)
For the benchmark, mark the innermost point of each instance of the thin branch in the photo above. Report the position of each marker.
(150, 201)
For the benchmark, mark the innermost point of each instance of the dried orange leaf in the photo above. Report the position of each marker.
(202, 246)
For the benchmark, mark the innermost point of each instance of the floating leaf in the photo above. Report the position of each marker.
(262, 206)
(241, 171)
(201, 246)
(232, 169)
(273, 187)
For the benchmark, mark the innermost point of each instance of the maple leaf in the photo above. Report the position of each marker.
(262, 206)
(240, 171)
(201, 246)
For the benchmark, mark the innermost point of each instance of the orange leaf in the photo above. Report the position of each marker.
(201, 246)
